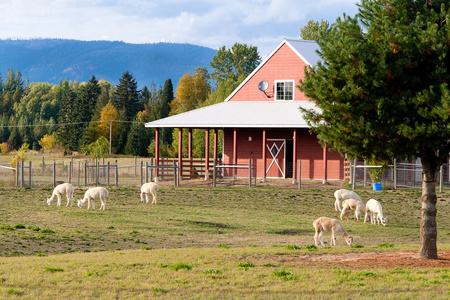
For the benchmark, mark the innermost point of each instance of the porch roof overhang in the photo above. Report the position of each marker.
(240, 114)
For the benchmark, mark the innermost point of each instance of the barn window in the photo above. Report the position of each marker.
(284, 90)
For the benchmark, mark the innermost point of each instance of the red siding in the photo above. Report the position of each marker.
(309, 152)
(285, 64)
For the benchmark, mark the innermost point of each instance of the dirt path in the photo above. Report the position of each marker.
(367, 260)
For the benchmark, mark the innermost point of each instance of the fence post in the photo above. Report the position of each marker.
(21, 173)
(54, 173)
(146, 171)
(152, 170)
(17, 173)
(354, 175)
(365, 174)
(43, 166)
(135, 166)
(441, 178)
(175, 172)
(300, 175)
(69, 175)
(395, 174)
(29, 176)
(117, 173)
(249, 172)
(108, 171)
(79, 168)
(141, 173)
(85, 173)
(214, 173)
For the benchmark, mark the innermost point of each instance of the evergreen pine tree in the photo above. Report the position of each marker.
(127, 97)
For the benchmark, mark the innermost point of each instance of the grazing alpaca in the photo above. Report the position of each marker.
(327, 224)
(343, 194)
(92, 194)
(352, 204)
(149, 188)
(62, 189)
(374, 211)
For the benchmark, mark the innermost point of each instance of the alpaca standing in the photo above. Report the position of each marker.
(94, 193)
(147, 189)
(327, 224)
(62, 189)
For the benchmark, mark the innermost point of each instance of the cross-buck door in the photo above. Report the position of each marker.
(275, 154)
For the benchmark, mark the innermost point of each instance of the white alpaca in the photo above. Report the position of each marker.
(352, 204)
(375, 212)
(62, 189)
(327, 224)
(92, 194)
(343, 194)
(147, 189)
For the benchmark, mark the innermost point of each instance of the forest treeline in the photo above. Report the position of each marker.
(71, 116)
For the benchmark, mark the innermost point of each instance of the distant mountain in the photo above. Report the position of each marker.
(49, 60)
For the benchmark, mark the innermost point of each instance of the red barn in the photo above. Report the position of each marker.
(261, 120)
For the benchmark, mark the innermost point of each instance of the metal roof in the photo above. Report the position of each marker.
(240, 114)
(307, 50)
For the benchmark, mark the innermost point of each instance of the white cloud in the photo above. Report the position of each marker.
(212, 23)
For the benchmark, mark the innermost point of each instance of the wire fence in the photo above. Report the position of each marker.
(398, 175)
(47, 172)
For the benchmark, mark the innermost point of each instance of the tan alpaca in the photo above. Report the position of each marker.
(352, 204)
(343, 194)
(327, 224)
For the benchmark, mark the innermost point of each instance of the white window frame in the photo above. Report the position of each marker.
(284, 81)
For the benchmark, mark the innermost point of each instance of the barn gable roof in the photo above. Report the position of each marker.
(306, 50)
(249, 114)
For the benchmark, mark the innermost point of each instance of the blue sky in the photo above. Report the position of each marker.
(210, 23)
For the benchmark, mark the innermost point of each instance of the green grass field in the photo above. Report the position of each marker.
(207, 243)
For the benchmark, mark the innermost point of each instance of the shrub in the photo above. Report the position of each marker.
(293, 247)
(14, 292)
(285, 275)
(246, 265)
(386, 245)
(211, 271)
(6, 227)
(310, 247)
(53, 270)
(179, 266)
(19, 226)
(49, 143)
(6, 147)
(33, 227)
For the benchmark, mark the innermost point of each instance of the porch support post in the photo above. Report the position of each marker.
(215, 145)
(325, 163)
(156, 153)
(294, 160)
(235, 151)
(190, 144)
(207, 154)
(180, 152)
(264, 143)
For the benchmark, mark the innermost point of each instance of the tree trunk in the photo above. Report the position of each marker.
(428, 230)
